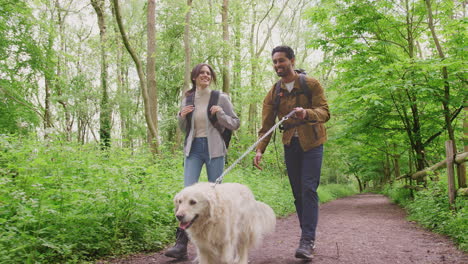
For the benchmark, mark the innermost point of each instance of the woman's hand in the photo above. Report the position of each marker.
(215, 108)
(186, 109)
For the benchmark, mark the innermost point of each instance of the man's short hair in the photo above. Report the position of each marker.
(286, 49)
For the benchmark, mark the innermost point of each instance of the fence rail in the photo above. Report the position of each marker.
(452, 159)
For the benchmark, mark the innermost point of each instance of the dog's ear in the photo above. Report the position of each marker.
(212, 200)
(176, 202)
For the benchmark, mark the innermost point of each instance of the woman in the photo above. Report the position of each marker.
(203, 143)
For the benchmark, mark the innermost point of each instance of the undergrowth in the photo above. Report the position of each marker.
(62, 202)
(430, 208)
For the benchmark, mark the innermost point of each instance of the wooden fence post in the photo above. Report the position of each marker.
(461, 173)
(450, 172)
(461, 168)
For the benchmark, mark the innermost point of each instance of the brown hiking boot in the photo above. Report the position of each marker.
(179, 250)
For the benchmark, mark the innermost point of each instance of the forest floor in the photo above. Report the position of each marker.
(360, 229)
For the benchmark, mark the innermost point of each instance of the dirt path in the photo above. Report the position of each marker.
(361, 229)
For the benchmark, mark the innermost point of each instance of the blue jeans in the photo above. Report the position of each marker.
(198, 156)
(304, 176)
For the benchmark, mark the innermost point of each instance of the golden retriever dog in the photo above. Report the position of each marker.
(223, 221)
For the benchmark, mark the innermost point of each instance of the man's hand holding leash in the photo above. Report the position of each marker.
(257, 159)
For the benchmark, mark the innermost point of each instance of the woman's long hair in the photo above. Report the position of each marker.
(195, 72)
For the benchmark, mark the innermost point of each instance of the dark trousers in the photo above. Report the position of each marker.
(304, 176)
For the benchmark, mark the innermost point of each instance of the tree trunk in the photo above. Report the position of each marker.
(236, 83)
(60, 63)
(48, 76)
(47, 123)
(105, 113)
(360, 183)
(151, 73)
(188, 66)
(251, 121)
(396, 166)
(226, 50)
(144, 92)
(413, 124)
(387, 173)
(446, 99)
(187, 48)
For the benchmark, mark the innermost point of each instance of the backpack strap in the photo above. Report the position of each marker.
(226, 134)
(304, 88)
(277, 98)
(189, 100)
(214, 97)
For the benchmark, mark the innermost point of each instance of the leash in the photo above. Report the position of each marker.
(220, 178)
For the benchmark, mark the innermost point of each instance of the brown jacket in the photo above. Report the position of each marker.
(311, 134)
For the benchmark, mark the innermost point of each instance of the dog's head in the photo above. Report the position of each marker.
(192, 204)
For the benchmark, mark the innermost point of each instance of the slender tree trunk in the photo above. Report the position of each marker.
(122, 90)
(387, 170)
(60, 63)
(236, 84)
(396, 162)
(105, 113)
(48, 76)
(252, 128)
(187, 47)
(47, 123)
(412, 99)
(446, 100)
(121, 95)
(188, 65)
(151, 73)
(147, 110)
(226, 50)
(359, 183)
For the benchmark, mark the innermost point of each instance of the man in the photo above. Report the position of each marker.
(303, 138)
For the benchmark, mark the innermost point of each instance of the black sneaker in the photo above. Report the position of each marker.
(305, 250)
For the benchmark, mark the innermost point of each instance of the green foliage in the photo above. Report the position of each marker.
(387, 90)
(430, 208)
(397, 194)
(64, 202)
(19, 55)
(331, 192)
(68, 203)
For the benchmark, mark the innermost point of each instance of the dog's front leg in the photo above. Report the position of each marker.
(205, 256)
(243, 252)
(229, 253)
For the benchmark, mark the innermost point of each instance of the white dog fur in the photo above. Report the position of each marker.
(223, 221)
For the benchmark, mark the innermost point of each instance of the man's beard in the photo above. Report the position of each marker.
(285, 72)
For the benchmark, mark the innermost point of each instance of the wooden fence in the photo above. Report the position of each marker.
(452, 159)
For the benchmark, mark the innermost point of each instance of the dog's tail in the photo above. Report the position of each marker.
(266, 221)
